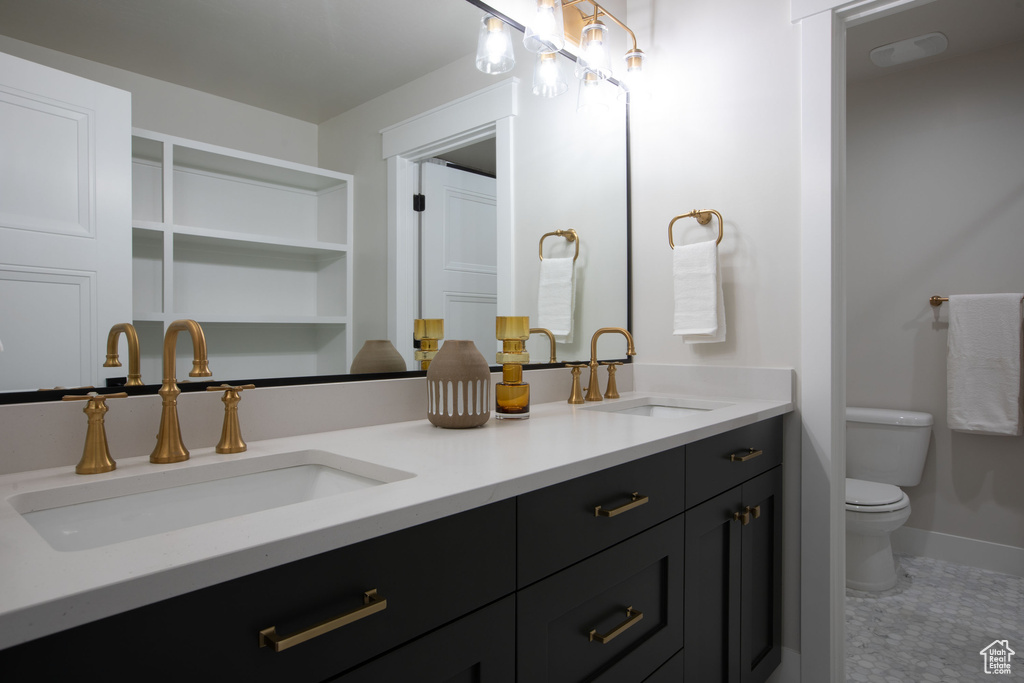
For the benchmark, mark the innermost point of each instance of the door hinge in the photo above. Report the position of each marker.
(419, 202)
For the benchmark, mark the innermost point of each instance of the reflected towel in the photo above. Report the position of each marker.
(983, 357)
(556, 297)
(699, 305)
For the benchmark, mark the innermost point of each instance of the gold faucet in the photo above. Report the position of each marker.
(169, 446)
(134, 374)
(96, 454)
(594, 390)
(551, 339)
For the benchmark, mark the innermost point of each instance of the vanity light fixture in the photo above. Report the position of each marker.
(548, 79)
(494, 46)
(545, 31)
(593, 97)
(546, 34)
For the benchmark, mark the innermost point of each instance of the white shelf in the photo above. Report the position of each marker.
(255, 249)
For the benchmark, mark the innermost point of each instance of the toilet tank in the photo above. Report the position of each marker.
(887, 446)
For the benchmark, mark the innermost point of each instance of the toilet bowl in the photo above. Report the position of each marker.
(885, 449)
(870, 520)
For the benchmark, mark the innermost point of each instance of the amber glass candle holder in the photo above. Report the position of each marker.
(512, 394)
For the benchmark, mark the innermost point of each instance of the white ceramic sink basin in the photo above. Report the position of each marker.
(96, 513)
(660, 406)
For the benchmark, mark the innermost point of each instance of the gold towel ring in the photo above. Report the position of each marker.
(703, 217)
(570, 235)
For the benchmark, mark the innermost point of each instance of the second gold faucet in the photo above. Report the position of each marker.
(169, 446)
(594, 390)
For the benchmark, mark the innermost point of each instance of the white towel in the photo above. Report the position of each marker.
(699, 305)
(556, 297)
(983, 357)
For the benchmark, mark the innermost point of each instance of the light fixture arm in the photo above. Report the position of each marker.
(601, 11)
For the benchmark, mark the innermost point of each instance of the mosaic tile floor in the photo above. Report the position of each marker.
(933, 625)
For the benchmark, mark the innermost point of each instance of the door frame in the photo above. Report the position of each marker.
(484, 114)
(822, 381)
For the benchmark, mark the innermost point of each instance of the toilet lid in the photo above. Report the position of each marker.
(860, 492)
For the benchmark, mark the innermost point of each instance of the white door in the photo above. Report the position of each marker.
(65, 225)
(458, 242)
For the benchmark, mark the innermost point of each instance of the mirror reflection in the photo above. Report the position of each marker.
(293, 254)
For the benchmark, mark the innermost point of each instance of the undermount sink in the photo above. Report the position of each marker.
(661, 406)
(98, 513)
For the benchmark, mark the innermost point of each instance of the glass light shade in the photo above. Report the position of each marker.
(593, 98)
(494, 46)
(545, 31)
(635, 80)
(548, 79)
(594, 56)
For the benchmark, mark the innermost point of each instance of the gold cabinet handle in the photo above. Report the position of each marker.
(636, 501)
(632, 617)
(744, 515)
(743, 456)
(371, 605)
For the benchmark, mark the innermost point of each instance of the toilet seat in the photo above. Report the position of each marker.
(873, 496)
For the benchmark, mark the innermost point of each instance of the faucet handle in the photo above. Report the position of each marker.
(576, 393)
(96, 454)
(231, 434)
(612, 391)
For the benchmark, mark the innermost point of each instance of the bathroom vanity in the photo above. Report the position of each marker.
(579, 545)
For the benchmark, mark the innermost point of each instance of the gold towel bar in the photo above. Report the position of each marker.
(570, 236)
(703, 217)
(939, 300)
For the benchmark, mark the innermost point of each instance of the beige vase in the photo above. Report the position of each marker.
(458, 386)
(378, 355)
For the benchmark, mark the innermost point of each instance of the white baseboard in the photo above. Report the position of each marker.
(789, 669)
(1005, 559)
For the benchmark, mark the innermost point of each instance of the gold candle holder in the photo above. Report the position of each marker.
(428, 332)
(512, 394)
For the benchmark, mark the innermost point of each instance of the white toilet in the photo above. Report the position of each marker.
(885, 449)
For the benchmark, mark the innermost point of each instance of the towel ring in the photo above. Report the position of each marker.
(703, 217)
(570, 235)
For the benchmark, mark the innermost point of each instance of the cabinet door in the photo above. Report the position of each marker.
(761, 621)
(479, 648)
(734, 583)
(713, 547)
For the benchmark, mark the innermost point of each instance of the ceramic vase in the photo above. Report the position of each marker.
(378, 355)
(458, 386)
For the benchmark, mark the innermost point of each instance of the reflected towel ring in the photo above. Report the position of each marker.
(703, 217)
(570, 235)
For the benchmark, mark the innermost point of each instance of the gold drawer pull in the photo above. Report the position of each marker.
(636, 501)
(632, 617)
(371, 605)
(750, 454)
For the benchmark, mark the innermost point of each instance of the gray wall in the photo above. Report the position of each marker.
(936, 206)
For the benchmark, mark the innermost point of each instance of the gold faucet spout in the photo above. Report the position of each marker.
(594, 390)
(169, 445)
(551, 340)
(113, 361)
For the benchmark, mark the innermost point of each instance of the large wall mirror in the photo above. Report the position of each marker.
(390, 64)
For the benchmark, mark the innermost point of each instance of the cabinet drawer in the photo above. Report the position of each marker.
(718, 463)
(558, 525)
(562, 620)
(479, 648)
(429, 575)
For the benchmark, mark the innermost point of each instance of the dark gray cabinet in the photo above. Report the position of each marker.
(662, 569)
(733, 561)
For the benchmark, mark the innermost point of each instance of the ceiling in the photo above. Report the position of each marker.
(308, 59)
(970, 26)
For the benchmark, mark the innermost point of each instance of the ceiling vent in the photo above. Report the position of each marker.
(910, 49)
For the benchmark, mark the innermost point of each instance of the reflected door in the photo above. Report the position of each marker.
(458, 273)
(65, 224)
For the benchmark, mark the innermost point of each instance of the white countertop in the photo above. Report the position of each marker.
(43, 590)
